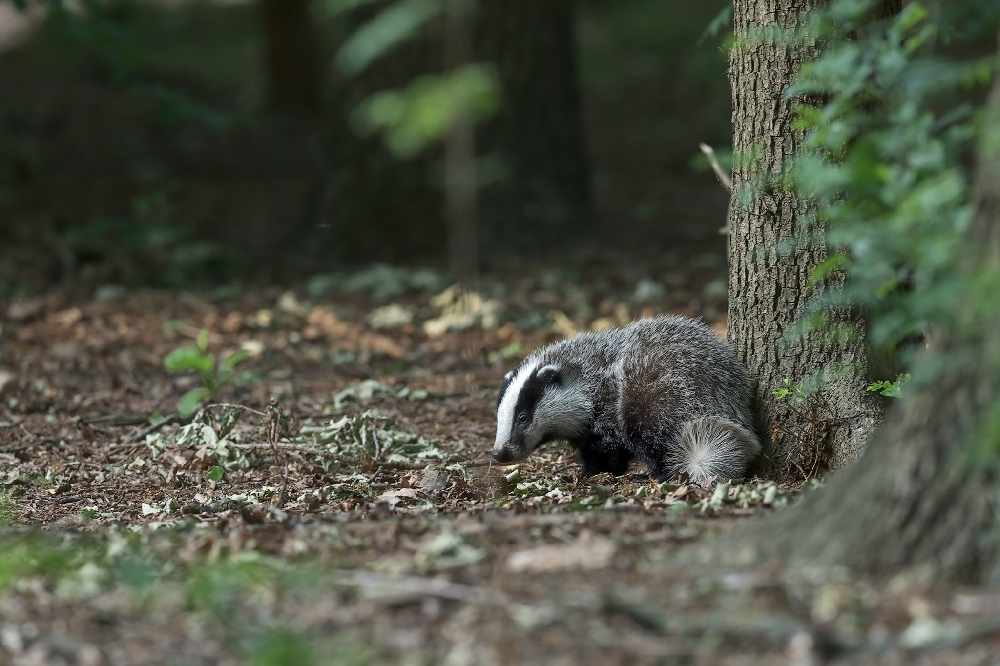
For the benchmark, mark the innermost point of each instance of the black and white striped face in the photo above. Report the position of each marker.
(537, 403)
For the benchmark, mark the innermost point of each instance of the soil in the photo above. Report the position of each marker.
(351, 514)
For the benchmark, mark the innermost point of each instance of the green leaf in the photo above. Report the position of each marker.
(826, 268)
(192, 401)
(203, 340)
(889, 388)
(335, 8)
(412, 118)
(721, 21)
(189, 359)
(911, 16)
(215, 473)
(230, 362)
(395, 24)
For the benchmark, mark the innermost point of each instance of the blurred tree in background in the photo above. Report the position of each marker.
(539, 135)
(298, 136)
(293, 59)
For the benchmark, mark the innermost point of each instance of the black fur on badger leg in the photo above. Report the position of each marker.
(597, 459)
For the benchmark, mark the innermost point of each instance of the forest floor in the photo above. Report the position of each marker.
(334, 503)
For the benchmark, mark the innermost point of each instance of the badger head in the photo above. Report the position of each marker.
(537, 404)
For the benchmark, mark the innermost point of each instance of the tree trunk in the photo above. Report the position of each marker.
(926, 495)
(292, 58)
(461, 175)
(545, 195)
(774, 246)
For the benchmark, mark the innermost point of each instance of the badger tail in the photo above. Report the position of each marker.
(713, 448)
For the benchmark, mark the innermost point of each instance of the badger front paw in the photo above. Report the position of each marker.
(597, 460)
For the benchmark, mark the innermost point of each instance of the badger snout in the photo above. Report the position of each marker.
(503, 455)
(508, 453)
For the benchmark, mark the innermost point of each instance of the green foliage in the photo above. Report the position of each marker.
(886, 157)
(282, 647)
(223, 594)
(791, 392)
(217, 588)
(134, 45)
(889, 388)
(22, 557)
(397, 23)
(420, 114)
(145, 246)
(214, 373)
(720, 23)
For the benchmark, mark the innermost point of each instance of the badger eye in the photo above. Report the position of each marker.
(522, 417)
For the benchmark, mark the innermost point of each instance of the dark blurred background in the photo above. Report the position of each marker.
(182, 143)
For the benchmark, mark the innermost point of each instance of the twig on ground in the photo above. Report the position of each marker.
(140, 435)
(116, 419)
(288, 446)
(229, 405)
(274, 432)
(407, 466)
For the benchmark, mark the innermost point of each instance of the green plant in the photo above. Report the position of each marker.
(37, 555)
(145, 246)
(899, 118)
(791, 391)
(889, 388)
(282, 647)
(415, 116)
(214, 373)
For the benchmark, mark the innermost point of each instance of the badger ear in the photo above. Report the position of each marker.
(550, 374)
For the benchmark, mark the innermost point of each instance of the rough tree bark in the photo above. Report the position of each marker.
(539, 135)
(774, 246)
(926, 495)
(292, 57)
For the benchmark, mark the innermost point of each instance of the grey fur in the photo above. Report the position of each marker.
(665, 391)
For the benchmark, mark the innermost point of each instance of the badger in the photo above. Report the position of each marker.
(664, 391)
